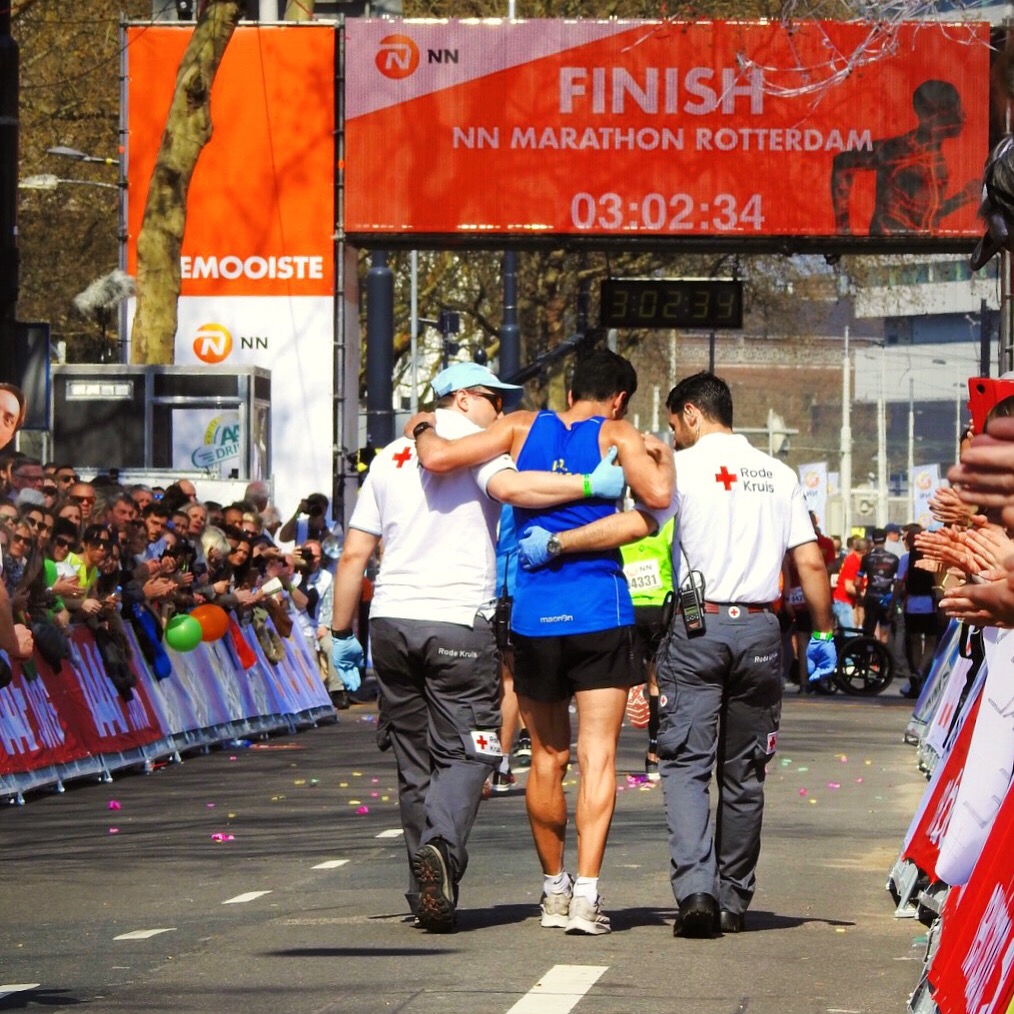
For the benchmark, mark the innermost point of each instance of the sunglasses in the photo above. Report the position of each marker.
(50, 490)
(67, 480)
(24, 540)
(496, 400)
(82, 499)
(66, 543)
(36, 523)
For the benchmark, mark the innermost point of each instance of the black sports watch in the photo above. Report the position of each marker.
(553, 547)
(421, 428)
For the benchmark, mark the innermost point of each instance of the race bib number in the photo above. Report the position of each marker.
(795, 597)
(643, 575)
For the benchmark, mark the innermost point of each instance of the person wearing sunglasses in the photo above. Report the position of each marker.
(96, 544)
(83, 494)
(61, 550)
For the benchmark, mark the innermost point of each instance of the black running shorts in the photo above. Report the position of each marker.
(553, 668)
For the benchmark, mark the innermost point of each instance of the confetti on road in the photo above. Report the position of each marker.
(114, 830)
(113, 805)
(219, 836)
(363, 809)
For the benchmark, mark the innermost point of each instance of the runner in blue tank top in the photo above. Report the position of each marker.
(573, 626)
(590, 593)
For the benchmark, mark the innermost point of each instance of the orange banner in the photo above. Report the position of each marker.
(260, 211)
(664, 129)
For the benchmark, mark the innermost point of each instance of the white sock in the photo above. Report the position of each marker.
(587, 887)
(558, 884)
(505, 765)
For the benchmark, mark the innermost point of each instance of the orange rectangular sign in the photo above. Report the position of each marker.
(752, 130)
(260, 210)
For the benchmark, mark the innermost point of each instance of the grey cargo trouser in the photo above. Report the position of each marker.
(440, 687)
(720, 701)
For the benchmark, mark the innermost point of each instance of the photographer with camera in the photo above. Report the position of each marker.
(312, 594)
(309, 521)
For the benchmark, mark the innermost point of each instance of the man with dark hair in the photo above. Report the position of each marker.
(431, 620)
(738, 511)
(878, 570)
(573, 625)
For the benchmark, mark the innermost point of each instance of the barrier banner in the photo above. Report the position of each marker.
(955, 681)
(101, 718)
(33, 732)
(922, 844)
(676, 129)
(973, 969)
(988, 765)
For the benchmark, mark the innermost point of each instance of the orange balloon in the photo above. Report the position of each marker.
(214, 621)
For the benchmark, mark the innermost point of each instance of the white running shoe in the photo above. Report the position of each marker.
(556, 907)
(587, 917)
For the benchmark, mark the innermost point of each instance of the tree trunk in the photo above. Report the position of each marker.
(187, 131)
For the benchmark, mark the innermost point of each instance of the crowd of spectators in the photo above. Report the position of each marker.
(93, 551)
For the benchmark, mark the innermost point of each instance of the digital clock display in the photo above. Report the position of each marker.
(671, 302)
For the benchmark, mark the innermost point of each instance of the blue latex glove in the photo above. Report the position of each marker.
(349, 661)
(607, 480)
(821, 659)
(532, 552)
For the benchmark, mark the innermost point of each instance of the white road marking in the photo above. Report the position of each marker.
(243, 898)
(144, 934)
(559, 990)
(17, 987)
(393, 832)
(331, 864)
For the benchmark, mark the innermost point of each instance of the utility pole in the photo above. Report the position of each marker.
(845, 478)
(881, 450)
(9, 70)
(911, 448)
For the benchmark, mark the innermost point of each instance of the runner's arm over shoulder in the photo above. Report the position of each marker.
(535, 489)
(648, 464)
(439, 455)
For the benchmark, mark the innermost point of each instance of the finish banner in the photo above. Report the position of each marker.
(673, 130)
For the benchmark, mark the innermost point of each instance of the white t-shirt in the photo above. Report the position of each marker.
(737, 512)
(438, 531)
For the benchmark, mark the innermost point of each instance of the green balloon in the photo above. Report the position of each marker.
(183, 633)
(50, 568)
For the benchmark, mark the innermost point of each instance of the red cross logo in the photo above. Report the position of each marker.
(726, 478)
(405, 454)
(481, 742)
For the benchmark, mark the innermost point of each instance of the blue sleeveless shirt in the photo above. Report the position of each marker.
(581, 593)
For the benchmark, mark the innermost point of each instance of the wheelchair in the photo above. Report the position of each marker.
(864, 666)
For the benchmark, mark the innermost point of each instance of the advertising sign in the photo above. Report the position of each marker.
(257, 261)
(665, 129)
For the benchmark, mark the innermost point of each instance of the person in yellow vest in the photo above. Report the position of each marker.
(647, 565)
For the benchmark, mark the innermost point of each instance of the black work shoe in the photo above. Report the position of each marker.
(697, 917)
(432, 870)
(731, 922)
(340, 700)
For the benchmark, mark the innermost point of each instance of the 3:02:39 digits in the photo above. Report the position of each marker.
(666, 213)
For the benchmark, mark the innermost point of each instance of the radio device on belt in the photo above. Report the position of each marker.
(691, 596)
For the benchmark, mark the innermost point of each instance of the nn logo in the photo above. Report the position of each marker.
(213, 344)
(398, 56)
